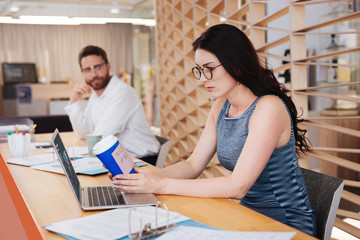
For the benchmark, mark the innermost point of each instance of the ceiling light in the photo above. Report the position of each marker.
(114, 10)
(14, 9)
(63, 20)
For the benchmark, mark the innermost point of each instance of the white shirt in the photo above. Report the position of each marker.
(118, 111)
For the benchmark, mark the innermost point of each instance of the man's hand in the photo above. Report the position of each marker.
(80, 89)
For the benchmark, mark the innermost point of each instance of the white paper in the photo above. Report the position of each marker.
(112, 224)
(80, 165)
(32, 160)
(73, 151)
(196, 233)
(76, 150)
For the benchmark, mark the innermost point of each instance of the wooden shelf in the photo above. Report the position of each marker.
(274, 44)
(328, 55)
(270, 18)
(329, 95)
(349, 214)
(309, 2)
(334, 149)
(335, 160)
(331, 127)
(330, 22)
(329, 86)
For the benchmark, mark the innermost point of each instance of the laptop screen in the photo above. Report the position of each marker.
(66, 163)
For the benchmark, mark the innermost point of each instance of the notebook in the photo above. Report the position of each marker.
(100, 196)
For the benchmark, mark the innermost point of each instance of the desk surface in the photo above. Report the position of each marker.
(50, 199)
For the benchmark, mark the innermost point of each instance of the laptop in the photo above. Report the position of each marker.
(100, 196)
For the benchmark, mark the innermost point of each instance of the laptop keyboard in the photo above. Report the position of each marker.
(105, 196)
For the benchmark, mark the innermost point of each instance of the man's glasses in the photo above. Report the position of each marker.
(207, 71)
(96, 67)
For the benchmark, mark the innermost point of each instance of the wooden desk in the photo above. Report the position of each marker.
(50, 199)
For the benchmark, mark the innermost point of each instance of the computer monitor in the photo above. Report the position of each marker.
(19, 73)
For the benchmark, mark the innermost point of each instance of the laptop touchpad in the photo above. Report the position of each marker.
(140, 198)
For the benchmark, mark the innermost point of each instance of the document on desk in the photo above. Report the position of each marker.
(84, 165)
(112, 224)
(196, 233)
(73, 151)
(32, 160)
(77, 150)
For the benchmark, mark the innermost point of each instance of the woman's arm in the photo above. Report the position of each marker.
(266, 131)
(196, 163)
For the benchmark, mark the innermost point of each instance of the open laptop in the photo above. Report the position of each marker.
(101, 196)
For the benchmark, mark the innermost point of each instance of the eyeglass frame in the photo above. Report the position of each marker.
(201, 70)
(97, 68)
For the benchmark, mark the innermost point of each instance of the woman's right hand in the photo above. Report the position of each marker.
(142, 181)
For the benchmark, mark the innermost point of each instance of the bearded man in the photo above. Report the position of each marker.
(114, 107)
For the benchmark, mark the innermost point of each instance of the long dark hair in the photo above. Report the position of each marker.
(238, 56)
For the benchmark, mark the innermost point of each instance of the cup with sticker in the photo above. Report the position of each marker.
(114, 156)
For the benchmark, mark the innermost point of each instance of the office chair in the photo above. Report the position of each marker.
(324, 193)
(163, 151)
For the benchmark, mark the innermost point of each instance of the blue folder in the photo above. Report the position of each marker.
(189, 223)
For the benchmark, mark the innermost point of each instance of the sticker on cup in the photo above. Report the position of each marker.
(19, 144)
(91, 140)
(114, 156)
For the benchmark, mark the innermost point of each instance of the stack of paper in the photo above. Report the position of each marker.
(196, 233)
(84, 165)
(113, 224)
(32, 160)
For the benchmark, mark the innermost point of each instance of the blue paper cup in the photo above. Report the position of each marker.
(104, 149)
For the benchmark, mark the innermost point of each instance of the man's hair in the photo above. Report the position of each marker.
(92, 50)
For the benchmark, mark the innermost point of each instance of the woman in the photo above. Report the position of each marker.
(253, 128)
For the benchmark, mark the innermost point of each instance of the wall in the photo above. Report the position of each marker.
(55, 48)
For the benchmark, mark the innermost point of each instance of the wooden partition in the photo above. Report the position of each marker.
(184, 105)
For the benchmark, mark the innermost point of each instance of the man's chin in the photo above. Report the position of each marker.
(98, 87)
(99, 84)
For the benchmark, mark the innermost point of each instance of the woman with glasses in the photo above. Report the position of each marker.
(253, 128)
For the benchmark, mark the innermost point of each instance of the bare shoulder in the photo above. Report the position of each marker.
(271, 110)
(271, 103)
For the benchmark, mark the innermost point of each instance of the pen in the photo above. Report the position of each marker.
(33, 129)
(16, 129)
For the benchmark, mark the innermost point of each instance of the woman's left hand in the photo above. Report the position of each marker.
(142, 181)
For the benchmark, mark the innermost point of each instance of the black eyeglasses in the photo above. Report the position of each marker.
(207, 71)
(96, 67)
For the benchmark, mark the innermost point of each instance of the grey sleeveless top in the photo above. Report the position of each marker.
(280, 191)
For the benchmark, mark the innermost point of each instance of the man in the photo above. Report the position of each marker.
(114, 107)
